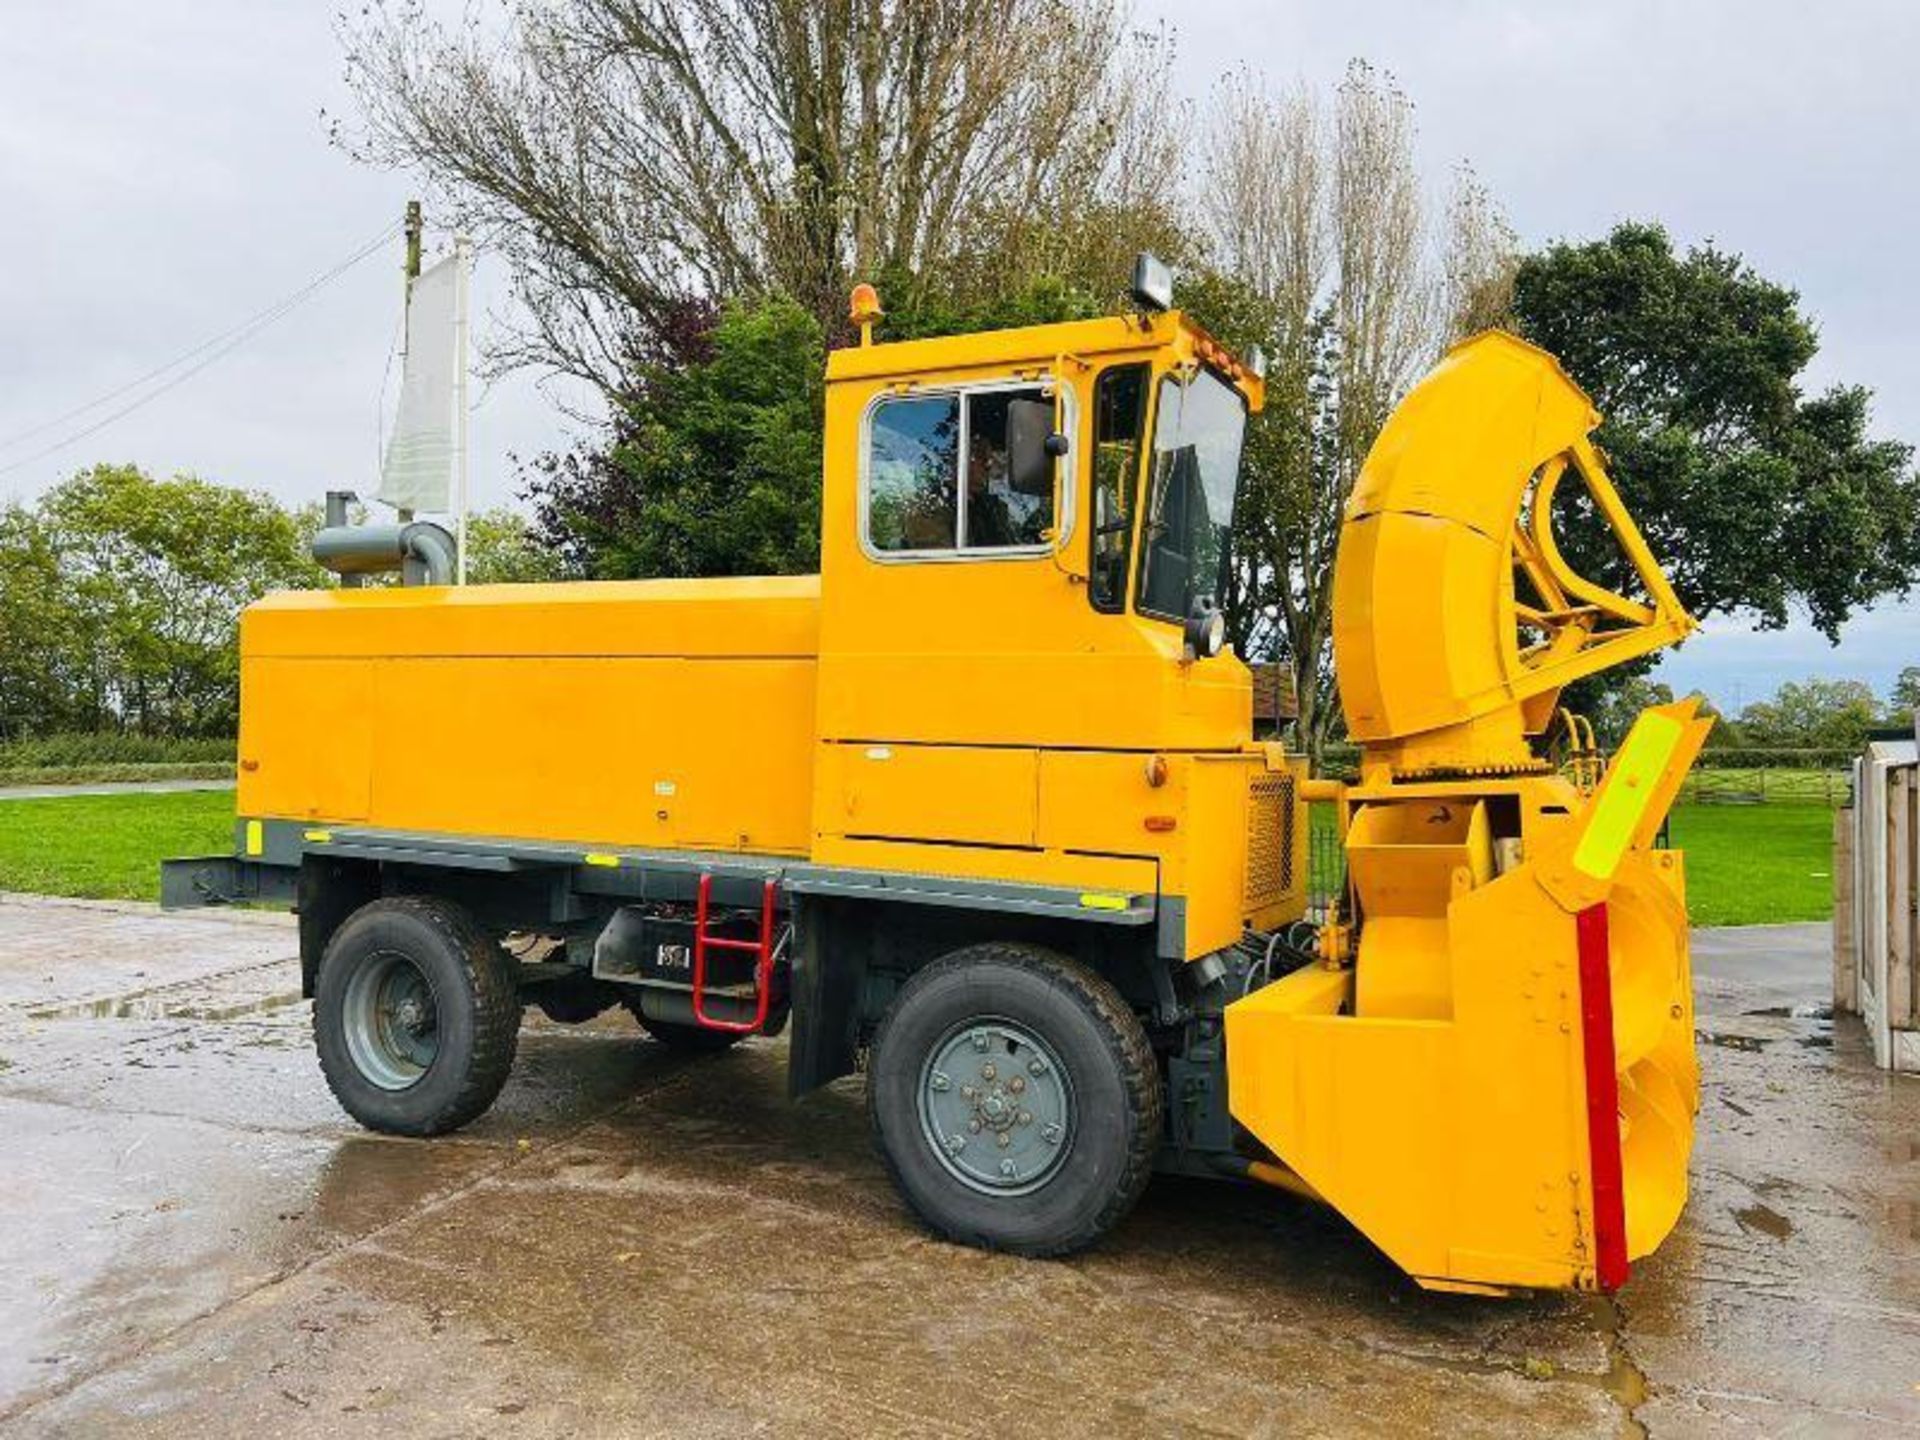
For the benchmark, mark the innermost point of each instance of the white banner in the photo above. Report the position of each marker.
(418, 471)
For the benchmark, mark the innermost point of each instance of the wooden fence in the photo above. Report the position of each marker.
(1876, 913)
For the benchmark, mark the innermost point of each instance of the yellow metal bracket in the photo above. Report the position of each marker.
(1627, 809)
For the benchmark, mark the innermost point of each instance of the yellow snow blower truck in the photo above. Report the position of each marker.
(979, 809)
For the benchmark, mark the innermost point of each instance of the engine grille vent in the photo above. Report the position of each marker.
(1270, 829)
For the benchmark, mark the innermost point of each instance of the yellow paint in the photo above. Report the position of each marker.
(1434, 1092)
(603, 861)
(256, 837)
(1446, 661)
(1617, 808)
(316, 837)
(974, 717)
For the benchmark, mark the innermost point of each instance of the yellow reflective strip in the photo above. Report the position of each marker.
(1623, 800)
(256, 841)
(319, 837)
(607, 862)
(1103, 902)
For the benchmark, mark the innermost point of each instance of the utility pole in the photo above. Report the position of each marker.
(415, 226)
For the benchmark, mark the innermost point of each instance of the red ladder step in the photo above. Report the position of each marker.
(761, 947)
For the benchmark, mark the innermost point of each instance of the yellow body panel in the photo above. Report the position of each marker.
(973, 717)
(604, 714)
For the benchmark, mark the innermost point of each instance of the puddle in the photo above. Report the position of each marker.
(1625, 1382)
(1748, 1043)
(1765, 1219)
(161, 1005)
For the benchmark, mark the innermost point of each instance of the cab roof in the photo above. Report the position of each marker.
(1039, 346)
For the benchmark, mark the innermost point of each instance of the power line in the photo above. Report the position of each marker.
(202, 355)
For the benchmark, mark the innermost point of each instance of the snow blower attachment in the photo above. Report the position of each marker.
(1497, 1084)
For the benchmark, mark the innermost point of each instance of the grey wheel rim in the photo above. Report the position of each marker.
(996, 1107)
(391, 1024)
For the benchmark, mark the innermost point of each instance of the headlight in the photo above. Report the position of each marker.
(1206, 629)
(1152, 282)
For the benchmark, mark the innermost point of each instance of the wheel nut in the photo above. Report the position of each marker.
(974, 1125)
(1026, 1117)
(1005, 1139)
(967, 1092)
(1017, 1084)
(939, 1081)
(987, 1072)
(1036, 1066)
(1051, 1134)
(1006, 1168)
(979, 1038)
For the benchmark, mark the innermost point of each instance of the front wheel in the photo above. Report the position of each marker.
(415, 1015)
(1015, 1099)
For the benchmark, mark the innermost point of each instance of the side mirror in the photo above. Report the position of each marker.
(1032, 446)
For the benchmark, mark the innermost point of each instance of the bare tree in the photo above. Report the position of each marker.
(1316, 212)
(633, 158)
(1482, 256)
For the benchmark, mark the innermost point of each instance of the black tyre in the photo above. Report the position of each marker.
(1015, 1099)
(686, 1038)
(415, 1016)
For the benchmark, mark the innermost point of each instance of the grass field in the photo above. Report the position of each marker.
(1756, 864)
(1746, 864)
(108, 846)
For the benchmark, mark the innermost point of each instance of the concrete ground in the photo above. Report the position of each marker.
(194, 1241)
(110, 787)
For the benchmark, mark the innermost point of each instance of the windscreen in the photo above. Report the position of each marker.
(1198, 431)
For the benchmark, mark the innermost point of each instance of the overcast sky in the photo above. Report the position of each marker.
(164, 174)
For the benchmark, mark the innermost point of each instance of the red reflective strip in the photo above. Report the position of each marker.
(1603, 1098)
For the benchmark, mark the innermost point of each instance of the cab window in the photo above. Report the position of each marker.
(941, 474)
(1119, 420)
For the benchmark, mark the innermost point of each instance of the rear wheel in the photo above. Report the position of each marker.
(415, 1016)
(1015, 1099)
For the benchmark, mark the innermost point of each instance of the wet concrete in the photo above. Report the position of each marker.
(110, 787)
(197, 1241)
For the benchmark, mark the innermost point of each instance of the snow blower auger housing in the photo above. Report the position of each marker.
(1497, 1085)
(979, 809)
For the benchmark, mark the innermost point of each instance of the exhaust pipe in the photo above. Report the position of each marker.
(423, 553)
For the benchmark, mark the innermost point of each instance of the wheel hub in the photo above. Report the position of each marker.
(996, 1107)
(391, 1027)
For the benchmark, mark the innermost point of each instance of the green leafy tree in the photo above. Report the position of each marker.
(1813, 715)
(714, 467)
(40, 659)
(153, 575)
(1906, 691)
(1756, 497)
(1616, 711)
(503, 549)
